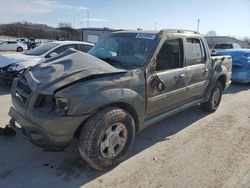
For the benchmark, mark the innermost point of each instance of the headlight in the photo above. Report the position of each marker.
(12, 67)
(62, 106)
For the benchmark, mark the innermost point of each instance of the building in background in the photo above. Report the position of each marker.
(211, 40)
(92, 35)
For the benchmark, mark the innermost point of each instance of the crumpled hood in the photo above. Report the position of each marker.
(72, 66)
(29, 63)
(13, 58)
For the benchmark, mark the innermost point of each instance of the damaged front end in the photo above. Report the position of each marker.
(38, 113)
(8, 73)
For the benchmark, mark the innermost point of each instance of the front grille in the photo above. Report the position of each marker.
(23, 91)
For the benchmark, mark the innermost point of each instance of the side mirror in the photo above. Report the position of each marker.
(53, 54)
(156, 83)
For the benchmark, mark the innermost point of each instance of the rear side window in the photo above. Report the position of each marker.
(223, 46)
(170, 55)
(84, 47)
(237, 46)
(195, 52)
(12, 42)
(64, 48)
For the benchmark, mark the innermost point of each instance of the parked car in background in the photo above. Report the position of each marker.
(126, 82)
(223, 46)
(13, 46)
(30, 45)
(241, 64)
(12, 65)
(21, 40)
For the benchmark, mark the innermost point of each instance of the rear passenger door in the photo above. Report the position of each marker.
(11, 45)
(198, 68)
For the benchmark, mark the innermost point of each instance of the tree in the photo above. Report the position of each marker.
(64, 25)
(211, 33)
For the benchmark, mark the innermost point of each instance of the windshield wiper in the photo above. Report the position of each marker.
(114, 62)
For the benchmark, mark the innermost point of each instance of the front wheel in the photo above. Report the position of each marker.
(106, 138)
(214, 100)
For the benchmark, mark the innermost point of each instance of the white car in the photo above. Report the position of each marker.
(12, 64)
(219, 47)
(13, 46)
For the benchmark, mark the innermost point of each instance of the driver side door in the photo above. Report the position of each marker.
(166, 85)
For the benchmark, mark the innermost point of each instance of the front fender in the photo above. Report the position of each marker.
(94, 101)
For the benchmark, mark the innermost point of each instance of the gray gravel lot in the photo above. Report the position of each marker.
(190, 149)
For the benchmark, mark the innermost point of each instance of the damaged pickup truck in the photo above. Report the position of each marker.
(128, 81)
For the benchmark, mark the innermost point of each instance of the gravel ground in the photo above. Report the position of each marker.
(190, 149)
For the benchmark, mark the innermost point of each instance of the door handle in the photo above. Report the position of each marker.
(205, 70)
(182, 76)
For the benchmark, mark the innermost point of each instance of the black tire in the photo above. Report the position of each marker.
(7, 131)
(94, 132)
(19, 49)
(211, 105)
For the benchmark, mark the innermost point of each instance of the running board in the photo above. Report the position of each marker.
(170, 113)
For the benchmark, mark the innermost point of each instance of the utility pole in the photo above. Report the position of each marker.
(198, 25)
(74, 17)
(18, 30)
(155, 26)
(87, 19)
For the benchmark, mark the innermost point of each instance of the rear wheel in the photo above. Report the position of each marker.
(214, 100)
(106, 138)
(19, 49)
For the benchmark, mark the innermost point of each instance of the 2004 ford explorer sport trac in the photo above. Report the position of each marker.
(126, 82)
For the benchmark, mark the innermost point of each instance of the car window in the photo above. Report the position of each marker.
(42, 49)
(223, 46)
(61, 49)
(11, 42)
(83, 47)
(237, 46)
(194, 52)
(170, 55)
(127, 50)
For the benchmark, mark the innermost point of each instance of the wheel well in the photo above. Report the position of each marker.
(130, 109)
(222, 80)
(19, 47)
(121, 105)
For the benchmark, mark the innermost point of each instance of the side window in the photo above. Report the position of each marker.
(223, 46)
(237, 46)
(83, 47)
(195, 52)
(170, 55)
(63, 48)
(12, 42)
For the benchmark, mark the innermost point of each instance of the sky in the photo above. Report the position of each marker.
(226, 17)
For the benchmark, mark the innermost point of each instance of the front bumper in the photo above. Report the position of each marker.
(52, 133)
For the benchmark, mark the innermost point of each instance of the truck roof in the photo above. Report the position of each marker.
(71, 42)
(161, 32)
